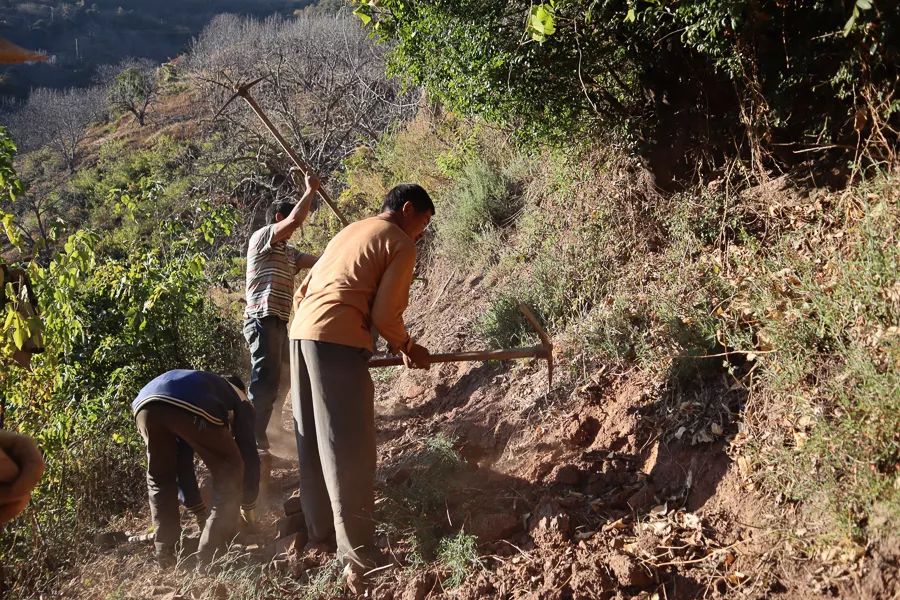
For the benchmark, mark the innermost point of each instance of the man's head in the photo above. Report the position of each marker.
(238, 384)
(236, 381)
(278, 211)
(410, 208)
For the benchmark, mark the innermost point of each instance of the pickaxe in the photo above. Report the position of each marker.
(243, 91)
(544, 350)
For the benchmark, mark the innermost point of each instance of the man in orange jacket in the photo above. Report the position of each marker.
(359, 286)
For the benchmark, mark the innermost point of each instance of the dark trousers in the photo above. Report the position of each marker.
(334, 417)
(161, 426)
(268, 341)
(188, 489)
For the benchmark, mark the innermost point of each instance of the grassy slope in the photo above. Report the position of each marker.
(759, 322)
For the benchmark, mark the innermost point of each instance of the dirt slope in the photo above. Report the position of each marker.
(580, 492)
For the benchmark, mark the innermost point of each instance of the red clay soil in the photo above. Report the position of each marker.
(590, 490)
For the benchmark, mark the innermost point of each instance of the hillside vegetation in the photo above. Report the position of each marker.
(702, 213)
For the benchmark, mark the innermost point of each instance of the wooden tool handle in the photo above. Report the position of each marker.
(298, 162)
(531, 352)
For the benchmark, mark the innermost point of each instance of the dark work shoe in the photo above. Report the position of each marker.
(165, 556)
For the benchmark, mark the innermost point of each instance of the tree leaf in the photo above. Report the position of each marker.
(542, 19)
(20, 334)
(850, 22)
(363, 13)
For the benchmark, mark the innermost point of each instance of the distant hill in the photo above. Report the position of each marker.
(82, 34)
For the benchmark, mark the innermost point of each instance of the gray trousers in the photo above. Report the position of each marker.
(334, 421)
(268, 339)
(161, 425)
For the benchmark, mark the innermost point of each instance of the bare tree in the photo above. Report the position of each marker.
(132, 86)
(58, 119)
(326, 88)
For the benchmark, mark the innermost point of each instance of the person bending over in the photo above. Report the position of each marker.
(212, 416)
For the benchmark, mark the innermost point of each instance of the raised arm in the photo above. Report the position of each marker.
(285, 228)
(306, 261)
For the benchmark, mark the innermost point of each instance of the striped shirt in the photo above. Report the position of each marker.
(271, 268)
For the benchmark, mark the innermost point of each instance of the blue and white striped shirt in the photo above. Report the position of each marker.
(271, 268)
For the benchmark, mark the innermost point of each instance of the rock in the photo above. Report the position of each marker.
(418, 587)
(493, 526)
(548, 524)
(292, 505)
(567, 475)
(643, 498)
(413, 391)
(628, 572)
(290, 525)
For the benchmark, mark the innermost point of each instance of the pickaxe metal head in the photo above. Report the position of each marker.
(241, 90)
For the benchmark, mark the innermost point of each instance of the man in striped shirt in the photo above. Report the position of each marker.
(271, 268)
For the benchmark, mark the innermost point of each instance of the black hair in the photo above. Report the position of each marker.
(407, 192)
(236, 382)
(282, 207)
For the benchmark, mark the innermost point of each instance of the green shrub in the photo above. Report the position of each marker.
(458, 555)
(564, 70)
(112, 322)
(503, 325)
(828, 319)
(413, 507)
(473, 213)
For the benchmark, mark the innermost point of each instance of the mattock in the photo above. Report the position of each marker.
(243, 91)
(544, 350)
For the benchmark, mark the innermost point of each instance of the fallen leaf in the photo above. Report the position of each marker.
(618, 524)
(743, 466)
(736, 578)
(690, 520)
(661, 528)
